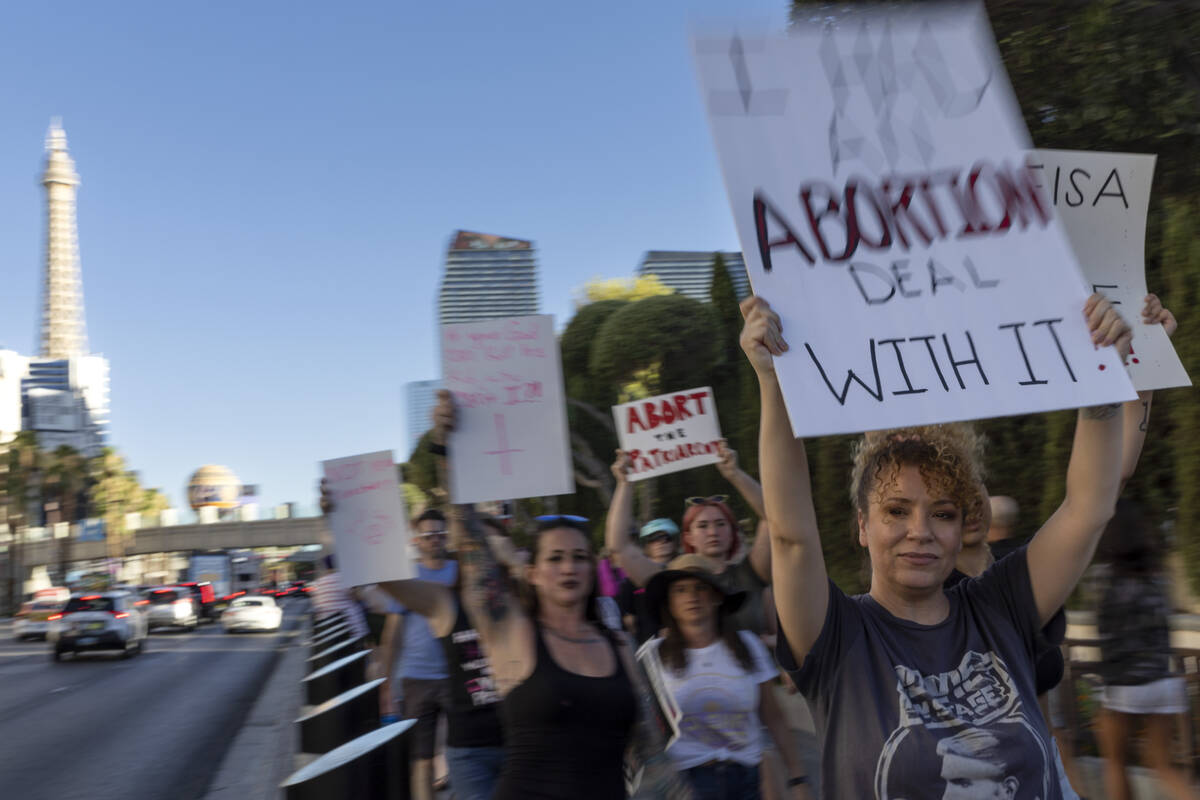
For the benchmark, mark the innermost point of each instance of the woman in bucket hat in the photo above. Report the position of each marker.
(719, 678)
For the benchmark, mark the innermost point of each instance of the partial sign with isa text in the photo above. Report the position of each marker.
(1102, 200)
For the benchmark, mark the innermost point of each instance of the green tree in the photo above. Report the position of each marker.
(63, 486)
(1126, 79)
(727, 371)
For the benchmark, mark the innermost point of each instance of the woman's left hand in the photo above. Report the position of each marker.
(1153, 313)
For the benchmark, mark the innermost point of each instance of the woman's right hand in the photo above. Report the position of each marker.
(762, 335)
(620, 467)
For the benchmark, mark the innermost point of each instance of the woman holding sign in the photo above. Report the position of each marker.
(710, 529)
(567, 682)
(917, 690)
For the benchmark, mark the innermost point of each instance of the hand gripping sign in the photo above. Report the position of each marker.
(875, 160)
(669, 433)
(368, 521)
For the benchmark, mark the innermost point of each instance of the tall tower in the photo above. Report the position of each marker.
(63, 334)
(486, 277)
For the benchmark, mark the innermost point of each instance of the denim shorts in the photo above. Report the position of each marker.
(474, 771)
(724, 780)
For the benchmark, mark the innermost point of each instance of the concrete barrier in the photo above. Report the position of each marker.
(372, 767)
(333, 679)
(338, 720)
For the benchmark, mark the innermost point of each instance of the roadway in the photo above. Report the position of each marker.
(152, 726)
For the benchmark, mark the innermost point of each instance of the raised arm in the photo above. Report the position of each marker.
(431, 600)
(619, 523)
(750, 489)
(1136, 414)
(797, 564)
(486, 594)
(1063, 547)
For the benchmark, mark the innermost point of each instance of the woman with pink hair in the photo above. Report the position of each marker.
(709, 529)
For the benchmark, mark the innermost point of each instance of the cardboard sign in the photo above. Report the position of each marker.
(1101, 200)
(669, 433)
(511, 439)
(369, 523)
(875, 163)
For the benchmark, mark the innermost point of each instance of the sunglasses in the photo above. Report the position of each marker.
(659, 537)
(430, 534)
(548, 521)
(703, 501)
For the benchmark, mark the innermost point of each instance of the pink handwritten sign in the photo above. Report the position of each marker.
(511, 440)
(369, 522)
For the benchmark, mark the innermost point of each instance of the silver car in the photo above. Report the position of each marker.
(170, 607)
(102, 621)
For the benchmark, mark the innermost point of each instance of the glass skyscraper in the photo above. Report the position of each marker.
(690, 272)
(487, 276)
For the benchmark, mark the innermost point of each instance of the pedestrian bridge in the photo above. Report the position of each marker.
(290, 532)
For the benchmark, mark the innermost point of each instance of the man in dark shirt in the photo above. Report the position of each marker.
(659, 539)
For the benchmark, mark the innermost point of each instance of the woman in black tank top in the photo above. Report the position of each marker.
(569, 706)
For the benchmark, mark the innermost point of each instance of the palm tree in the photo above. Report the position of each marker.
(20, 478)
(66, 480)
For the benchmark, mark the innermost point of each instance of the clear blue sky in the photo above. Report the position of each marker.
(268, 189)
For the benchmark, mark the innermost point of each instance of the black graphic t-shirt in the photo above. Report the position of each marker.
(473, 718)
(906, 711)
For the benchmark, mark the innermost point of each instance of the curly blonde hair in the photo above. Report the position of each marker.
(949, 457)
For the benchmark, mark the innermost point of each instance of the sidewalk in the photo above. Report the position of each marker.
(262, 755)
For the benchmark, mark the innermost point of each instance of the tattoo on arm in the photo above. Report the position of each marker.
(1107, 411)
(483, 577)
(1145, 417)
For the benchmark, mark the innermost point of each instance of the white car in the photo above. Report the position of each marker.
(170, 607)
(256, 613)
(101, 621)
(33, 620)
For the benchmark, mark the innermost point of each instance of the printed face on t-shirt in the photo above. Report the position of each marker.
(973, 768)
(710, 534)
(913, 537)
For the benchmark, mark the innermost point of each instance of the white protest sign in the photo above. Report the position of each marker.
(875, 163)
(1101, 200)
(669, 433)
(368, 521)
(510, 439)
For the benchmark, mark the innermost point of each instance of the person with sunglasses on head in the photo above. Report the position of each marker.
(659, 540)
(721, 679)
(569, 702)
(411, 650)
(709, 529)
(892, 674)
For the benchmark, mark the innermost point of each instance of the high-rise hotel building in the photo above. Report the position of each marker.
(487, 276)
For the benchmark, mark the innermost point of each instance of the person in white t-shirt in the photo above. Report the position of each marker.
(720, 678)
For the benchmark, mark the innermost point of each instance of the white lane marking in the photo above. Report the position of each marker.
(61, 689)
